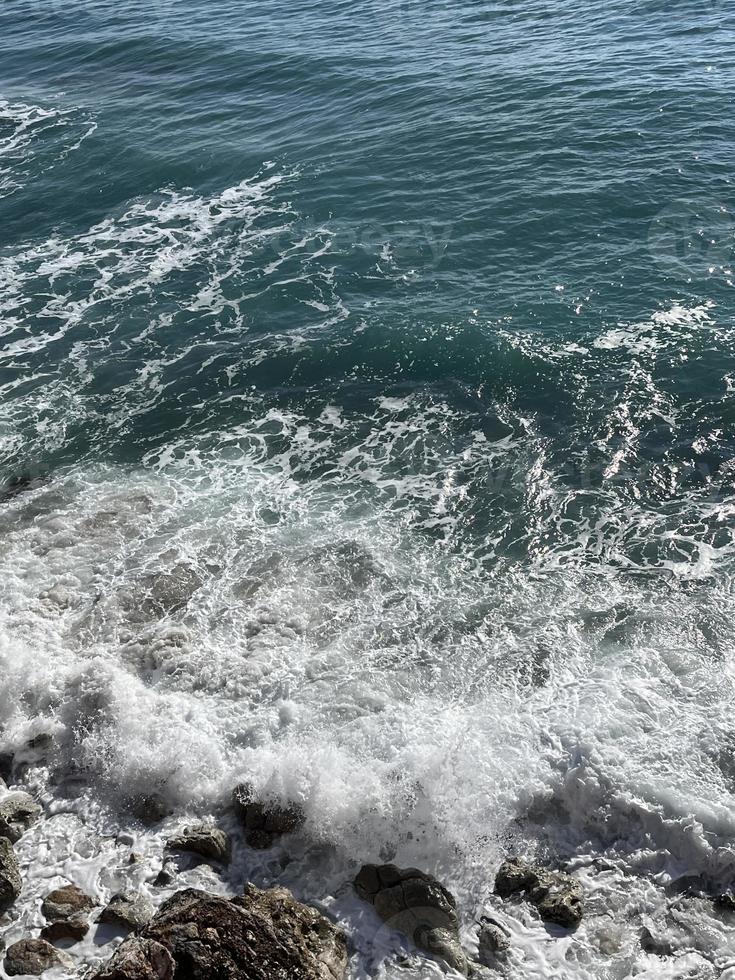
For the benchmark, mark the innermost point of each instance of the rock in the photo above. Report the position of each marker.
(263, 935)
(656, 944)
(514, 876)
(556, 895)
(10, 880)
(66, 910)
(167, 874)
(208, 842)
(66, 903)
(32, 957)
(6, 765)
(323, 945)
(138, 959)
(127, 910)
(18, 812)
(417, 905)
(492, 939)
(149, 808)
(726, 901)
(264, 823)
(40, 742)
(74, 929)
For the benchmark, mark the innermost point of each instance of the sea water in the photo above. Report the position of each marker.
(367, 388)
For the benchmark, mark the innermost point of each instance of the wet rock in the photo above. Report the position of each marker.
(726, 901)
(513, 876)
(167, 874)
(264, 823)
(493, 939)
(6, 765)
(652, 942)
(65, 903)
(18, 812)
(417, 905)
(208, 842)
(73, 929)
(127, 910)
(32, 957)
(10, 880)
(323, 946)
(150, 808)
(557, 896)
(138, 959)
(259, 936)
(65, 910)
(40, 742)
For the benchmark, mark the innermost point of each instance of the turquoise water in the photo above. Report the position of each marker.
(366, 412)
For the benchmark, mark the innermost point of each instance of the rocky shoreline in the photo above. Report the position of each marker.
(261, 933)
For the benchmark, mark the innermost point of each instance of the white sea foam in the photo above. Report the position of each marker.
(208, 618)
(34, 139)
(365, 640)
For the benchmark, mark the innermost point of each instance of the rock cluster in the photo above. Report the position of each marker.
(260, 935)
(66, 912)
(263, 935)
(263, 823)
(557, 896)
(417, 905)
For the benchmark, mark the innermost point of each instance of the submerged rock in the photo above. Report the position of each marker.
(10, 880)
(208, 842)
(127, 910)
(417, 905)
(557, 896)
(264, 823)
(32, 957)
(138, 959)
(263, 935)
(18, 812)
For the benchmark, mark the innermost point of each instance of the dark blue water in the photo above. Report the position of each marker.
(405, 330)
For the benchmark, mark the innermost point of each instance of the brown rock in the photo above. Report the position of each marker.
(74, 929)
(32, 957)
(557, 896)
(64, 903)
(138, 959)
(260, 936)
